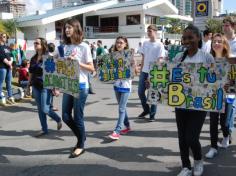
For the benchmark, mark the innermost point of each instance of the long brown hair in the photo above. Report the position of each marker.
(125, 40)
(44, 47)
(78, 32)
(226, 47)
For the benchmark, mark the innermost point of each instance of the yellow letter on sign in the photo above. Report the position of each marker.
(176, 96)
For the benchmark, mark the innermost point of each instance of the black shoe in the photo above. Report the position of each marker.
(91, 91)
(74, 155)
(151, 120)
(143, 114)
(40, 134)
(230, 139)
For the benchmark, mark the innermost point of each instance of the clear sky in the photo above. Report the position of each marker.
(229, 5)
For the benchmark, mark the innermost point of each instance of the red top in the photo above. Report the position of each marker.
(23, 74)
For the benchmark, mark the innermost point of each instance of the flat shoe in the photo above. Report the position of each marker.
(74, 155)
(40, 134)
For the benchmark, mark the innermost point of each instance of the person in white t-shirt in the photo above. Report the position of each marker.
(190, 122)
(152, 51)
(229, 31)
(206, 42)
(75, 49)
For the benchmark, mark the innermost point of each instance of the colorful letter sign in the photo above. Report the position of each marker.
(190, 86)
(62, 74)
(114, 66)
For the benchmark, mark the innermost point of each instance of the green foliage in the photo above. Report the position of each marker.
(2, 27)
(176, 27)
(10, 27)
(214, 25)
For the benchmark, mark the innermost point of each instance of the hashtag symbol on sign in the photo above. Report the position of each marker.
(159, 76)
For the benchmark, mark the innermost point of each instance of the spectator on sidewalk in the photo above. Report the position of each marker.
(100, 49)
(5, 70)
(14, 61)
(23, 79)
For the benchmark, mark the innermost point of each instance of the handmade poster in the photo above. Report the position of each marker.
(190, 86)
(62, 74)
(114, 66)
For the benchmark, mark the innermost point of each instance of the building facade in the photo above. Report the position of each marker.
(206, 9)
(103, 20)
(66, 3)
(12, 6)
(184, 6)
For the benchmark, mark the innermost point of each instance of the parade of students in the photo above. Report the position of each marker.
(42, 95)
(190, 122)
(122, 91)
(75, 49)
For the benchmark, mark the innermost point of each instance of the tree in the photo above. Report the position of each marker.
(214, 25)
(2, 27)
(10, 27)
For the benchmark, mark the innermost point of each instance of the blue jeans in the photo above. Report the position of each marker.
(24, 84)
(76, 124)
(6, 74)
(231, 113)
(142, 96)
(122, 99)
(43, 100)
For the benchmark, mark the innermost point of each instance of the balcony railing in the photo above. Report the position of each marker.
(105, 29)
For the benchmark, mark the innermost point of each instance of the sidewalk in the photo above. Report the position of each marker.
(150, 149)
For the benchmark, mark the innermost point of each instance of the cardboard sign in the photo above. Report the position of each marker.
(116, 65)
(190, 86)
(62, 74)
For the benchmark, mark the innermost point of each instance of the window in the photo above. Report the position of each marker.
(111, 21)
(92, 21)
(133, 19)
(151, 19)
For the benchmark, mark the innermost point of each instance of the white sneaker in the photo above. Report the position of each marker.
(11, 100)
(185, 172)
(211, 153)
(225, 142)
(198, 168)
(2, 103)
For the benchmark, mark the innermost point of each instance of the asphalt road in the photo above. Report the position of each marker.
(149, 149)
